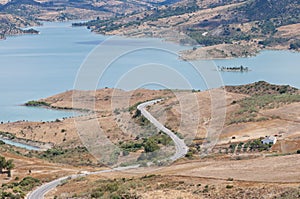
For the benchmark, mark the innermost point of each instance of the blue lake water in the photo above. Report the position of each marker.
(37, 66)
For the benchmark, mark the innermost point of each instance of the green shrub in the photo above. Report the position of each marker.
(96, 194)
(189, 154)
(150, 146)
(295, 45)
(229, 186)
(115, 196)
(28, 183)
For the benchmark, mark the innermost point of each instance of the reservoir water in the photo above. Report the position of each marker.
(20, 145)
(37, 66)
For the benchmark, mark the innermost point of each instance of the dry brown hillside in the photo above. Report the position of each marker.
(235, 166)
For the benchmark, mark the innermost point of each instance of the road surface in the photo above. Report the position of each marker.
(42, 190)
(181, 148)
(181, 151)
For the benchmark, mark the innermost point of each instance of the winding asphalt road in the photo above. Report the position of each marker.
(181, 151)
(181, 148)
(42, 190)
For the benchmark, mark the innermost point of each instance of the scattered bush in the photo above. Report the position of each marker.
(295, 45)
(189, 154)
(229, 186)
(150, 146)
(36, 103)
(19, 188)
(249, 107)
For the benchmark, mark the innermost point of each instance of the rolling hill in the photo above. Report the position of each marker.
(251, 24)
(31, 11)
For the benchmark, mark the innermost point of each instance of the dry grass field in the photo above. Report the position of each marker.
(196, 179)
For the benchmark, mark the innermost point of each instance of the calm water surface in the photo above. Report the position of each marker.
(37, 66)
(20, 145)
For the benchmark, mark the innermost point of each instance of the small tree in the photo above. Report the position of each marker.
(9, 166)
(150, 146)
(2, 164)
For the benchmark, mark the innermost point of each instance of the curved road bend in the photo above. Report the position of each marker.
(181, 148)
(42, 190)
(181, 151)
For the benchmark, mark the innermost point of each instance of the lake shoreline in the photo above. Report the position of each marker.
(240, 49)
(77, 43)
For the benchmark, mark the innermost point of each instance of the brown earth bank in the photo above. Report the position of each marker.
(206, 178)
(227, 124)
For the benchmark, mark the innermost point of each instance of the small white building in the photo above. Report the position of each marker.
(269, 140)
(204, 34)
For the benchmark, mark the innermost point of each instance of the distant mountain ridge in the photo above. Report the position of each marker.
(253, 24)
(60, 10)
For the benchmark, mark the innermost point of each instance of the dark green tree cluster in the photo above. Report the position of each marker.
(295, 45)
(149, 144)
(18, 190)
(6, 164)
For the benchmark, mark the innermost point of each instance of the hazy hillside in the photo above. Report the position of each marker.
(262, 9)
(60, 10)
(254, 24)
(228, 28)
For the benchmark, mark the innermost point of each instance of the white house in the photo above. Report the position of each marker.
(269, 140)
(204, 34)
